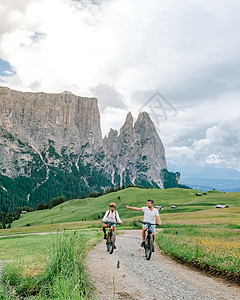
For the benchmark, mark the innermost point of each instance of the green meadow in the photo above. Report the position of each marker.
(215, 249)
(93, 208)
(52, 265)
(47, 267)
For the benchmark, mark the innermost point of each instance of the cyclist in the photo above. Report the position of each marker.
(150, 214)
(111, 215)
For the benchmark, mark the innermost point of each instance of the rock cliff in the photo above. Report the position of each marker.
(51, 144)
(40, 124)
(136, 154)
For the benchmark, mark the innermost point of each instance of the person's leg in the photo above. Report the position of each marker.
(104, 229)
(114, 237)
(143, 236)
(153, 234)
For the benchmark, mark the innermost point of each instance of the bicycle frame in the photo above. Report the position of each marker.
(149, 240)
(110, 241)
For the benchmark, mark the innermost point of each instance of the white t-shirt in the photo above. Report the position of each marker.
(150, 215)
(111, 216)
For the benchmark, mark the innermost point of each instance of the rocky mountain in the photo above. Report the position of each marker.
(51, 145)
(137, 154)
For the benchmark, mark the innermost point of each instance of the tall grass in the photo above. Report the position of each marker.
(64, 278)
(213, 249)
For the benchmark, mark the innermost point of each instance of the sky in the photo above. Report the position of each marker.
(177, 60)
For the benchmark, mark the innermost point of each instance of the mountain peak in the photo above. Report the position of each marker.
(128, 124)
(144, 118)
(67, 93)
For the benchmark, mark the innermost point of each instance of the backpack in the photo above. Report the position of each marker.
(115, 214)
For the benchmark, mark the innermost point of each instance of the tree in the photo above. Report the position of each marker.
(41, 206)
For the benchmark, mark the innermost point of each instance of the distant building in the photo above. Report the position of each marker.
(222, 206)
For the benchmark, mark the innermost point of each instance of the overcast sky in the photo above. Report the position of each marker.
(178, 60)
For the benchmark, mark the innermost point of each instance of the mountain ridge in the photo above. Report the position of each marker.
(51, 145)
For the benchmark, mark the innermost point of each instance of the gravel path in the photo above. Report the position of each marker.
(159, 278)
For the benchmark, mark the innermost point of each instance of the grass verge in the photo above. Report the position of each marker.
(65, 277)
(215, 250)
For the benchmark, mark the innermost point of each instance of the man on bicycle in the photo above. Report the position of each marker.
(111, 215)
(150, 214)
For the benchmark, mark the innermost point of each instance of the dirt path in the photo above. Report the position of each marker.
(160, 278)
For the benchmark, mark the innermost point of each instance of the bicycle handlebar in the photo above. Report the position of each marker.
(148, 223)
(109, 222)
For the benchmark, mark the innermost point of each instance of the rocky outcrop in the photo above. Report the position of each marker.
(38, 117)
(52, 145)
(136, 154)
(65, 124)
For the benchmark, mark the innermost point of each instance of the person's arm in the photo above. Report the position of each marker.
(118, 218)
(159, 220)
(134, 208)
(104, 218)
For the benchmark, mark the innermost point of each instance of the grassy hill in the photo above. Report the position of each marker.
(94, 208)
(195, 233)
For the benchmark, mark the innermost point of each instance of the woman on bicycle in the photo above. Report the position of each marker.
(150, 214)
(111, 215)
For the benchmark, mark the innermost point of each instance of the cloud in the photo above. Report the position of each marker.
(124, 51)
(178, 48)
(12, 14)
(37, 36)
(108, 96)
(219, 147)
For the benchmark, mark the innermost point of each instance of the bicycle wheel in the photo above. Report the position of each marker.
(108, 242)
(111, 242)
(148, 247)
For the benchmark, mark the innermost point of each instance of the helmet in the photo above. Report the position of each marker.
(112, 204)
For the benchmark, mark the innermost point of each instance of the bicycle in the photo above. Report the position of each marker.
(110, 240)
(149, 241)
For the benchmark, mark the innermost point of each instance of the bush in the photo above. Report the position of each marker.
(56, 201)
(41, 206)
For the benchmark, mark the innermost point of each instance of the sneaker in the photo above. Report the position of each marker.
(143, 244)
(114, 247)
(105, 236)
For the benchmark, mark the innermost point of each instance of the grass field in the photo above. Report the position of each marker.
(93, 208)
(47, 267)
(32, 252)
(213, 248)
(195, 233)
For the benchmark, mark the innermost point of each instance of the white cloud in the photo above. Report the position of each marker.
(220, 147)
(108, 97)
(127, 50)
